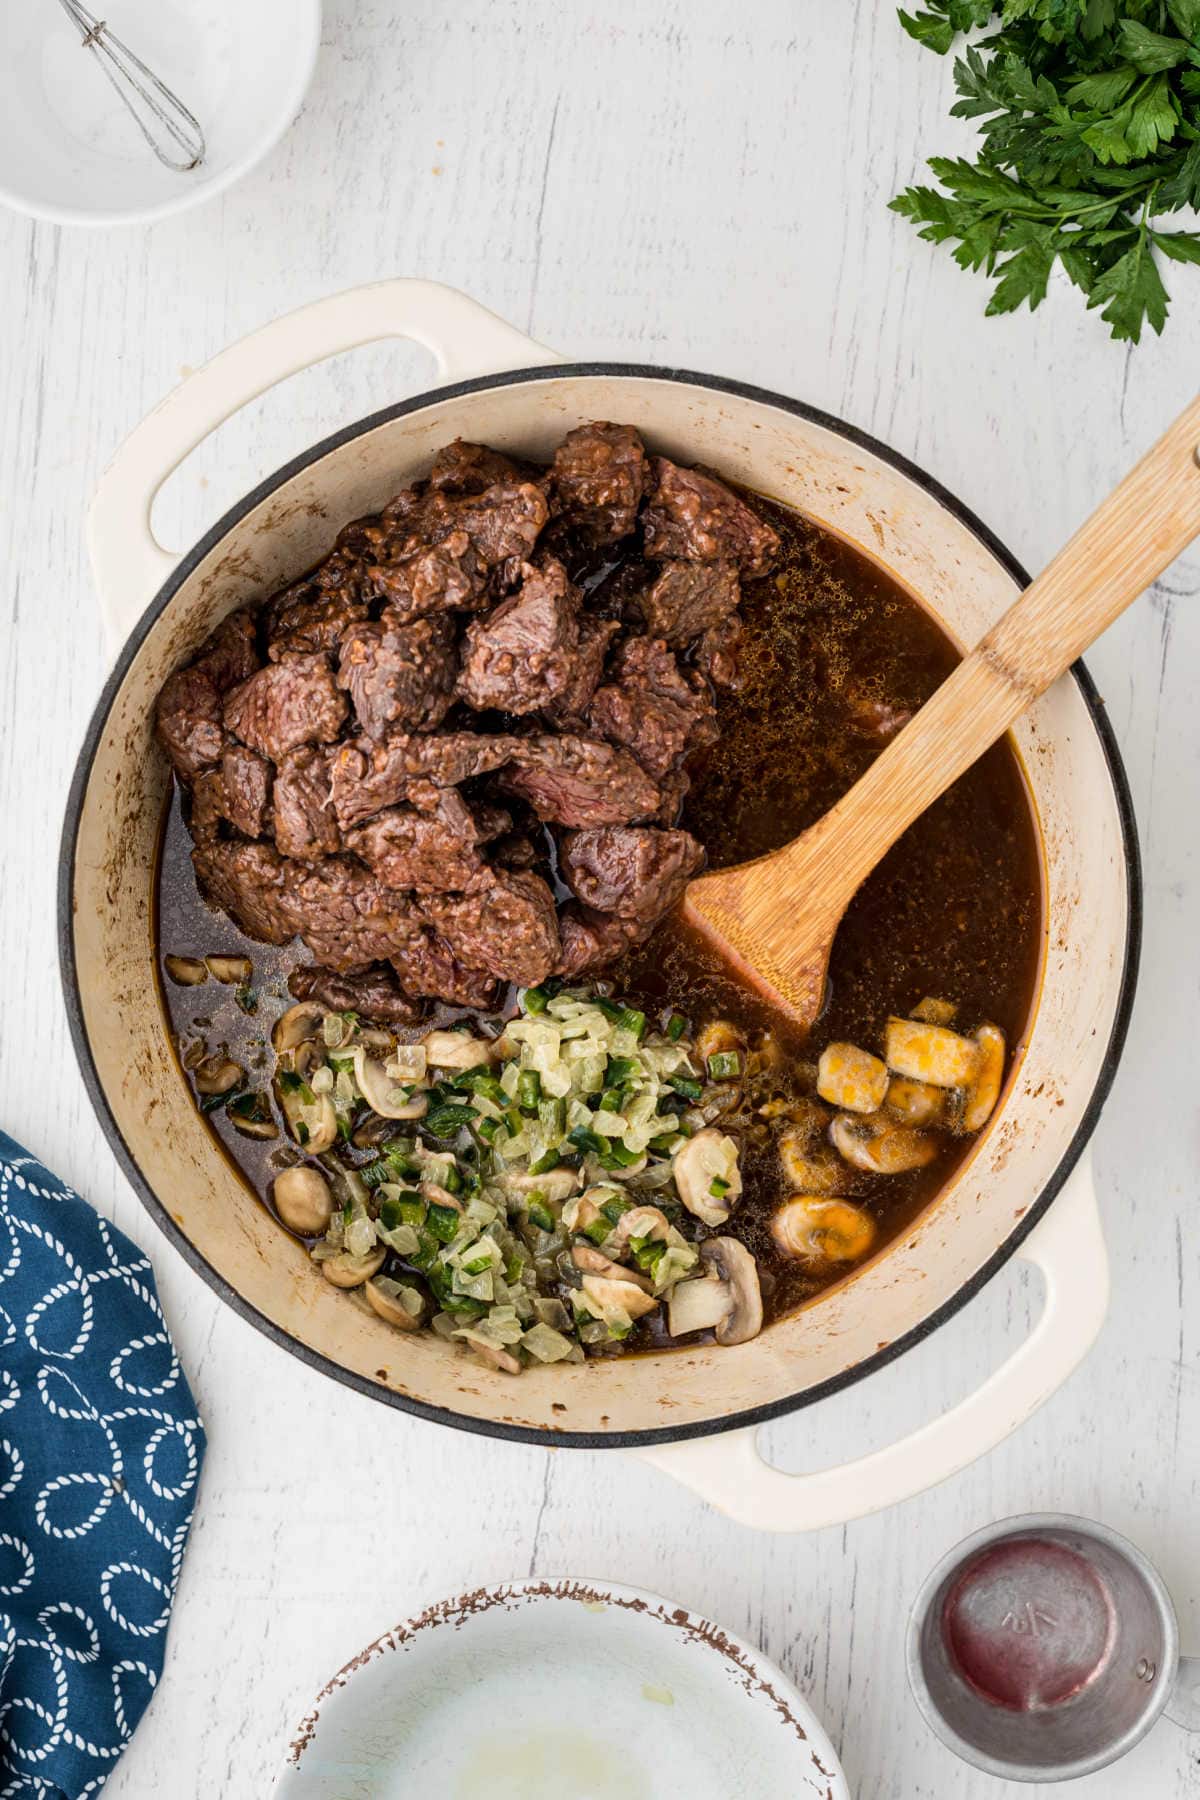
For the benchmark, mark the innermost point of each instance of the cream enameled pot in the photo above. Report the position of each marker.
(501, 388)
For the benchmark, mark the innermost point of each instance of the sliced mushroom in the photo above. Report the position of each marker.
(594, 1262)
(408, 1062)
(494, 1355)
(456, 1049)
(707, 1176)
(934, 1012)
(391, 1308)
(186, 971)
(217, 1075)
(717, 1037)
(235, 971)
(808, 1163)
(814, 1229)
(253, 1119)
(435, 1195)
(641, 1222)
(930, 1053)
(879, 1146)
(313, 1123)
(984, 1090)
(726, 1300)
(346, 1271)
(851, 1078)
(383, 1095)
(613, 1297)
(552, 1185)
(915, 1102)
(303, 1200)
(295, 1025)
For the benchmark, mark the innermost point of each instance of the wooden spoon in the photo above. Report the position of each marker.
(774, 919)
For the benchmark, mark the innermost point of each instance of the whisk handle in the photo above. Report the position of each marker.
(128, 562)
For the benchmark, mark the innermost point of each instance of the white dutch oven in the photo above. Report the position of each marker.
(501, 388)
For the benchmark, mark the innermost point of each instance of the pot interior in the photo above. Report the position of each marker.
(206, 1205)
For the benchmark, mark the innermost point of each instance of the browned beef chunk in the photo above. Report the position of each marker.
(522, 655)
(246, 787)
(427, 965)
(431, 852)
(346, 569)
(207, 805)
(347, 917)
(688, 597)
(591, 940)
(188, 709)
(635, 871)
(718, 653)
(304, 823)
(654, 708)
(599, 479)
(188, 722)
(507, 926)
(285, 705)
(439, 556)
(251, 882)
(307, 618)
(571, 780)
(375, 994)
(516, 850)
(462, 468)
(399, 674)
(595, 635)
(694, 516)
(367, 777)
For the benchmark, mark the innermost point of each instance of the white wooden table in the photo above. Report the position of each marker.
(705, 185)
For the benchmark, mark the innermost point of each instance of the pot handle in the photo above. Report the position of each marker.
(128, 562)
(1068, 1247)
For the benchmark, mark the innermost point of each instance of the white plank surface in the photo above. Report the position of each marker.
(705, 185)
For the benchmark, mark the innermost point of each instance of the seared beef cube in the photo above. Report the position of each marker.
(207, 810)
(439, 557)
(346, 569)
(516, 850)
(694, 516)
(591, 940)
(251, 882)
(246, 787)
(688, 597)
(367, 777)
(433, 853)
(285, 705)
(595, 635)
(653, 707)
(304, 823)
(522, 655)
(306, 618)
(462, 468)
(375, 994)
(189, 705)
(717, 654)
(445, 577)
(571, 780)
(599, 479)
(427, 965)
(635, 871)
(347, 917)
(399, 674)
(187, 718)
(507, 926)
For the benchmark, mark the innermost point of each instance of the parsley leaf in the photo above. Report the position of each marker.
(1089, 119)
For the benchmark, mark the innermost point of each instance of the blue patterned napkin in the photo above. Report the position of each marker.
(100, 1451)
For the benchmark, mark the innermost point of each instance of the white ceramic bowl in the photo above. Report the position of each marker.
(69, 150)
(564, 1690)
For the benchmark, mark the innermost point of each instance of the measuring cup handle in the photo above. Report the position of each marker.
(128, 562)
(1184, 1703)
(1068, 1247)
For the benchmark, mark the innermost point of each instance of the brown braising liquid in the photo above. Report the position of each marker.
(830, 645)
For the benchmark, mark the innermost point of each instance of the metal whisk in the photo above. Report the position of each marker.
(172, 132)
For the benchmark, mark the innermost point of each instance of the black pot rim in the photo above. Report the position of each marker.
(588, 1440)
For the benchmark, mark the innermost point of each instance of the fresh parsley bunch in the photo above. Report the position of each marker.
(1090, 115)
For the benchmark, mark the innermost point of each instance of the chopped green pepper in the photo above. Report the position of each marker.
(546, 1161)
(685, 1085)
(676, 1026)
(724, 1065)
(529, 1090)
(540, 1215)
(448, 1121)
(442, 1221)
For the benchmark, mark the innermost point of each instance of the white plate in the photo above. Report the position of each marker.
(566, 1690)
(69, 150)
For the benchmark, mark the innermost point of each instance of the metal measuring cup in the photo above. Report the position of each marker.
(1045, 1647)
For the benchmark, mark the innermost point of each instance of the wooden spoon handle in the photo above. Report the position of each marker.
(1129, 540)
